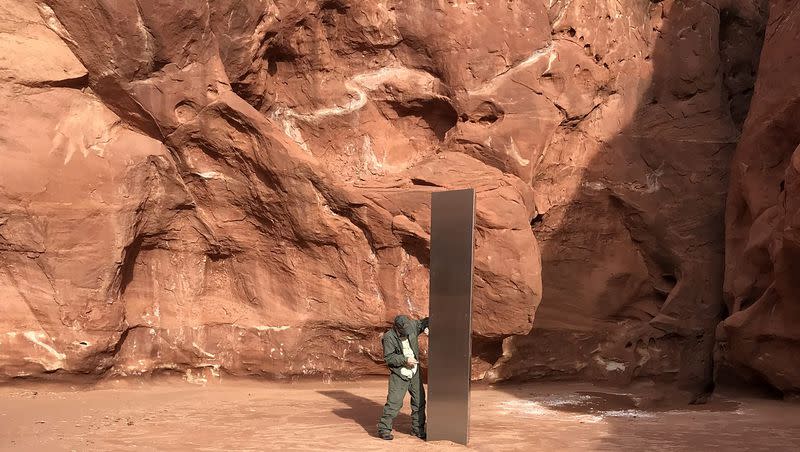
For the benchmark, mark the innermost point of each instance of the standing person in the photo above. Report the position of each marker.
(401, 352)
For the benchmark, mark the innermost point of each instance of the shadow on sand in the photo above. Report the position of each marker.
(365, 412)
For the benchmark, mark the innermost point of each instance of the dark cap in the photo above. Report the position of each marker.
(401, 325)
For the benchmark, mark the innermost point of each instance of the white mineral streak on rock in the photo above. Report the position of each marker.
(52, 362)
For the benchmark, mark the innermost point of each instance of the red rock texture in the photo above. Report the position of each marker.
(631, 189)
(760, 339)
(155, 220)
(243, 187)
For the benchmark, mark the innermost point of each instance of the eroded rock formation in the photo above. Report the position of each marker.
(760, 340)
(631, 189)
(243, 187)
(155, 220)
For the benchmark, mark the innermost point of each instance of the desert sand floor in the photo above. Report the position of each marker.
(248, 415)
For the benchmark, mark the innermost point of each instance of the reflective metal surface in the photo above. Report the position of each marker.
(450, 344)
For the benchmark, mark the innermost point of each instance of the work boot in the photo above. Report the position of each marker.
(386, 435)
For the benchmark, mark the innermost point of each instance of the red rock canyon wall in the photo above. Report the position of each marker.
(760, 339)
(243, 187)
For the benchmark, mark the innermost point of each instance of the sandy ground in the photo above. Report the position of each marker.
(248, 415)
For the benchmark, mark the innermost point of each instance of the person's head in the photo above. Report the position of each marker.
(401, 326)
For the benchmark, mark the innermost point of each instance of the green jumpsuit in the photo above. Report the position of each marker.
(398, 384)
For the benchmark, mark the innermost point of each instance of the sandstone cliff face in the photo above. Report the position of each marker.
(154, 220)
(760, 339)
(631, 189)
(243, 187)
